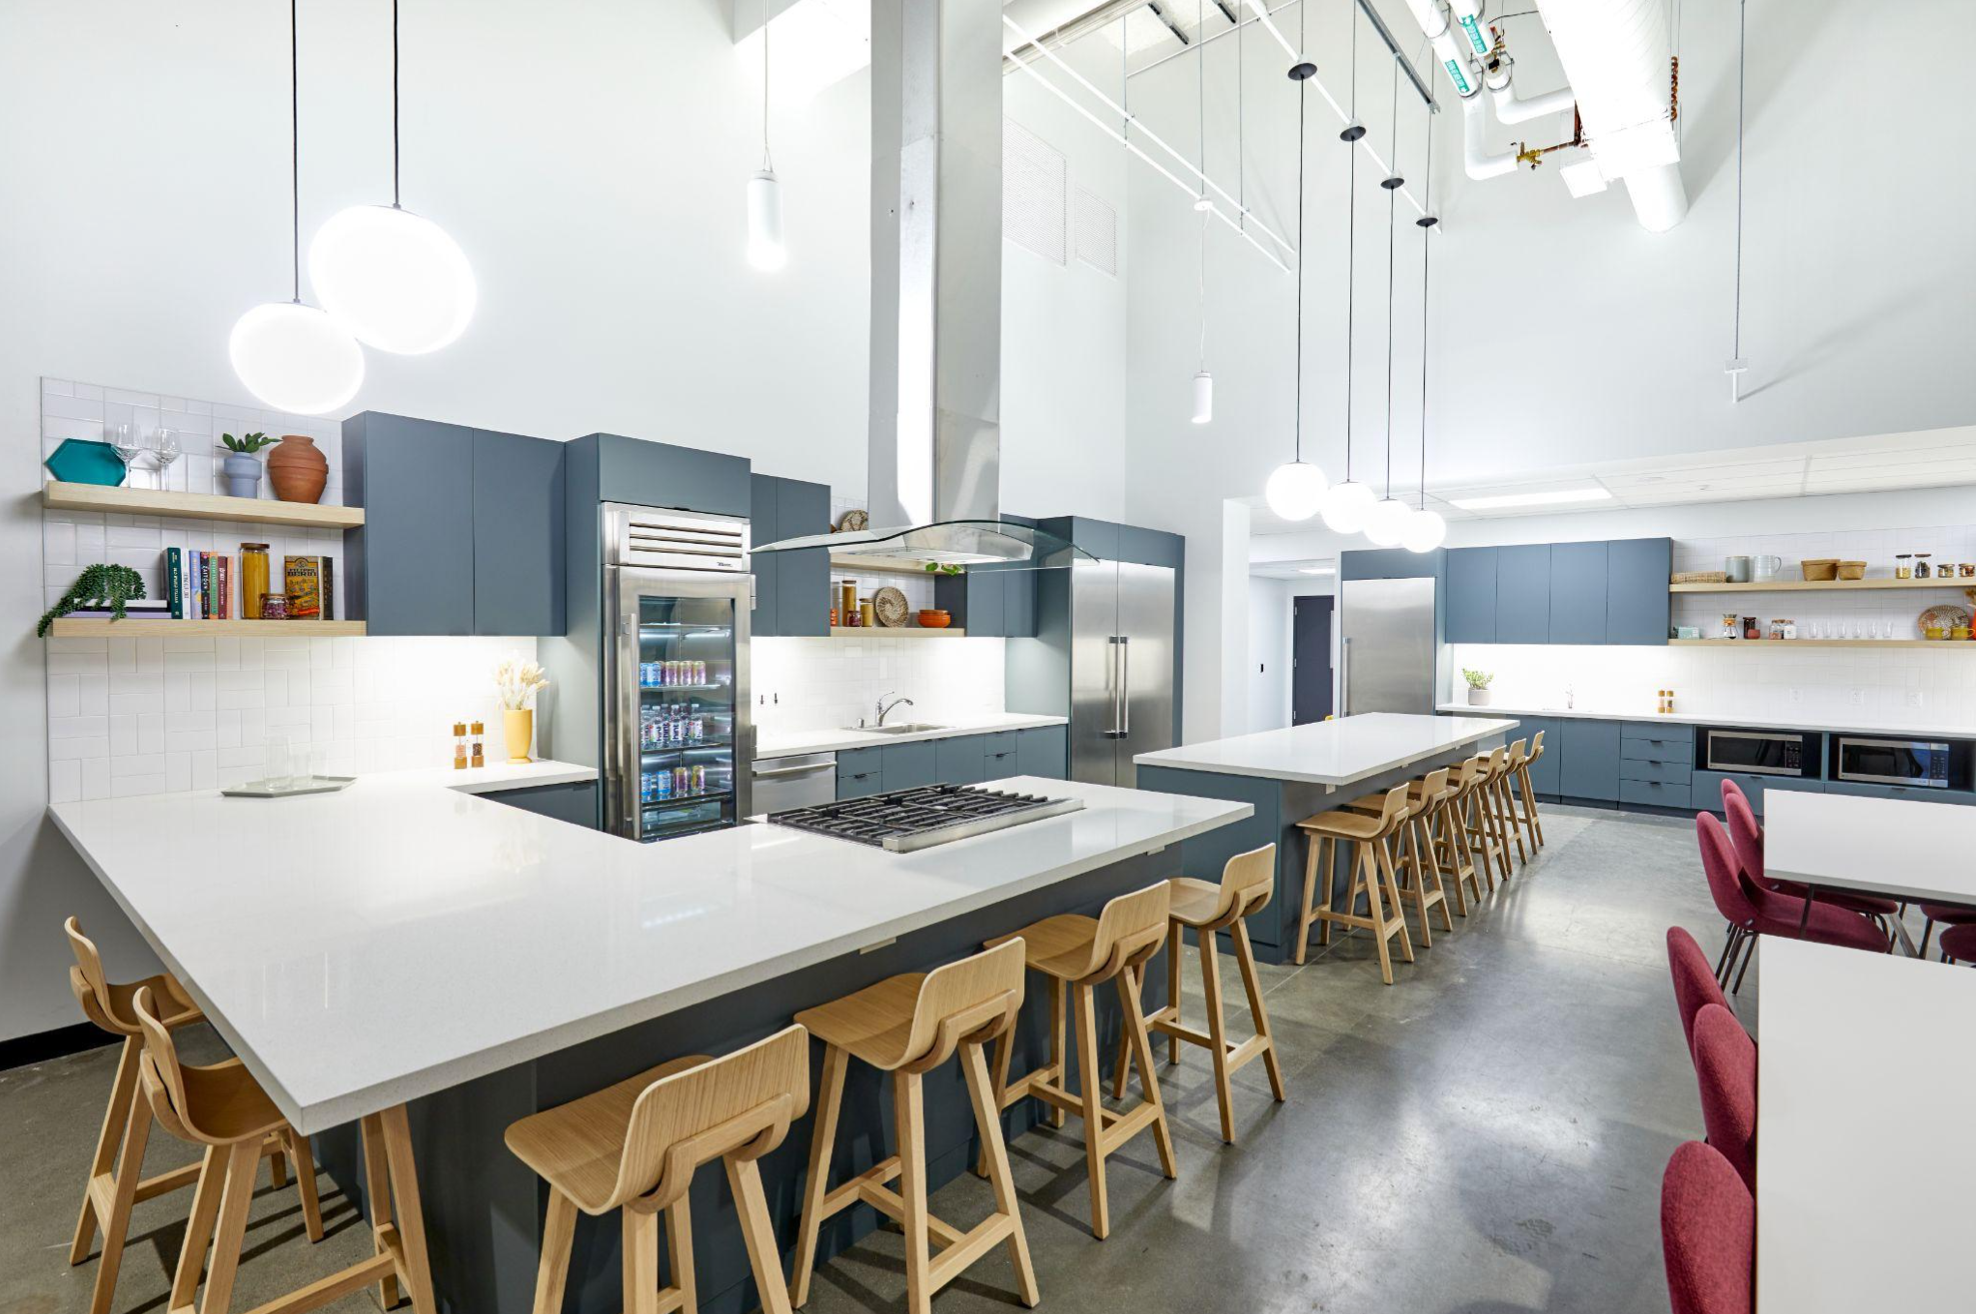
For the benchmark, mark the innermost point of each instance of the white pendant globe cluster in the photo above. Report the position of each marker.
(1297, 491)
(295, 358)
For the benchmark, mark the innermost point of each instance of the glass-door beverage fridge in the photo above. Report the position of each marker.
(678, 736)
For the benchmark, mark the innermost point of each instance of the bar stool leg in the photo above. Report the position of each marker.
(1217, 1032)
(1385, 868)
(305, 1182)
(1440, 842)
(135, 1120)
(1530, 820)
(1416, 880)
(1094, 1109)
(410, 1210)
(116, 1121)
(641, 1260)
(1429, 866)
(377, 1195)
(1245, 958)
(1506, 818)
(241, 1165)
(823, 1141)
(987, 1116)
(1142, 1049)
(552, 1273)
(679, 1253)
(1173, 942)
(199, 1229)
(744, 1179)
(1307, 913)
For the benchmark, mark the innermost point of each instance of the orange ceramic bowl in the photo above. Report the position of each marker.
(935, 620)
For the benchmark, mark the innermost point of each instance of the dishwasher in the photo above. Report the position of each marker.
(783, 784)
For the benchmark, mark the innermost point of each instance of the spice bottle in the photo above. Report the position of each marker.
(479, 752)
(459, 746)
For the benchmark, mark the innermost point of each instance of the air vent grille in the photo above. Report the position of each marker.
(1033, 192)
(679, 540)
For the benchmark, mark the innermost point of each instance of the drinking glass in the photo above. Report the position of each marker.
(1817, 629)
(281, 759)
(124, 440)
(166, 446)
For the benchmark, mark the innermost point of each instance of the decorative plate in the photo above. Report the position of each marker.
(86, 461)
(1946, 617)
(889, 605)
(851, 521)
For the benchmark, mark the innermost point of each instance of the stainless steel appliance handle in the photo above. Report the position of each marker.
(1111, 682)
(786, 773)
(1125, 686)
(1344, 677)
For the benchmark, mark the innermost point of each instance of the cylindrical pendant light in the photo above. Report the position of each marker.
(1203, 397)
(765, 249)
(1425, 530)
(395, 279)
(1296, 489)
(293, 357)
(1386, 523)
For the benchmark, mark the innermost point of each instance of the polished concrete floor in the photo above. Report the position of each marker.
(1486, 1135)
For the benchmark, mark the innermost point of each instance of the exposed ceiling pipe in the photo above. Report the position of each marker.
(1477, 161)
(1619, 56)
(1463, 75)
(1512, 109)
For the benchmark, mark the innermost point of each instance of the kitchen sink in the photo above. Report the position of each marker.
(902, 728)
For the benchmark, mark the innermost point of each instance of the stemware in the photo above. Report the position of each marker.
(167, 449)
(124, 440)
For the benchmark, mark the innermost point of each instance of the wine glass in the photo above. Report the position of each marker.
(168, 450)
(124, 440)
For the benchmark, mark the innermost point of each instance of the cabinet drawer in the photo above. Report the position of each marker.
(1868, 790)
(1679, 734)
(1653, 793)
(1667, 773)
(859, 761)
(1001, 741)
(1658, 750)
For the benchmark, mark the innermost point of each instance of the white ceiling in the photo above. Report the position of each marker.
(1932, 458)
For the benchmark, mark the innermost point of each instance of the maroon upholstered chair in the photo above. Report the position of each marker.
(1948, 914)
(1959, 943)
(1707, 1234)
(1752, 910)
(1725, 1068)
(1694, 980)
(1748, 838)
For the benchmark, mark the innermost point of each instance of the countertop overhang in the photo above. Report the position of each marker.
(771, 744)
(1332, 753)
(1864, 725)
(368, 947)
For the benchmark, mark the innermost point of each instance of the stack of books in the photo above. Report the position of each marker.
(198, 585)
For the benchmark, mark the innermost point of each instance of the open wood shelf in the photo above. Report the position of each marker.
(1959, 645)
(59, 496)
(72, 627)
(1823, 586)
(894, 632)
(872, 566)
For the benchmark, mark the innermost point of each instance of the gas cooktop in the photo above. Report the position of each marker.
(907, 820)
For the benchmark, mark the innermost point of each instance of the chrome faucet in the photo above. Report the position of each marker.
(885, 707)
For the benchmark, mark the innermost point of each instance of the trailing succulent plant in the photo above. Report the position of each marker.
(97, 586)
(247, 446)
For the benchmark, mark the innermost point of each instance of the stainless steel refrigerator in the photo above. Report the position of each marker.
(1387, 650)
(1121, 668)
(678, 736)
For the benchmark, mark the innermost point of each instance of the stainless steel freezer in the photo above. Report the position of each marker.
(1121, 668)
(1387, 650)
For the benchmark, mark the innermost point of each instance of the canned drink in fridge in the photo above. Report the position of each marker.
(699, 672)
(680, 784)
(699, 780)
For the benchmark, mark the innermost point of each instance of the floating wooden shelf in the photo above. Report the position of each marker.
(61, 496)
(71, 627)
(895, 632)
(873, 566)
(1823, 586)
(1954, 645)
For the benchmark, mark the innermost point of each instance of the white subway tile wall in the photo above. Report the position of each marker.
(820, 684)
(71, 540)
(1869, 613)
(171, 713)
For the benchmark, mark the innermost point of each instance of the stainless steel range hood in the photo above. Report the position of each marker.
(936, 294)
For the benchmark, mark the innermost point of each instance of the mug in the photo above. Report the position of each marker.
(1737, 568)
(1766, 567)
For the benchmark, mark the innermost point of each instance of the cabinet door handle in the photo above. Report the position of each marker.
(1125, 687)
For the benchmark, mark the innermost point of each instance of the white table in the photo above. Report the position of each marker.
(1865, 1141)
(1896, 848)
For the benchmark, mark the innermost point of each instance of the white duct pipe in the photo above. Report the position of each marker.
(1432, 15)
(1617, 54)
(1510, 108)
(1475, 157)
(1468, 17)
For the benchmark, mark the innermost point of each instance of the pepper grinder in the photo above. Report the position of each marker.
(479, 755)
(459, 745)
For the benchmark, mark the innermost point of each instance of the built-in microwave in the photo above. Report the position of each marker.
(1756, 752)
(1914, 762)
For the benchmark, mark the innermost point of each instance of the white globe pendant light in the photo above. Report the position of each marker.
(1423, 531)
(294, 357)
(395, 279)
(1385, 522)
(1347, 505)
(1295, 490)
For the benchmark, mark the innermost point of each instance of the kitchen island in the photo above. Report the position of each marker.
(1287, 775)
(406, 942)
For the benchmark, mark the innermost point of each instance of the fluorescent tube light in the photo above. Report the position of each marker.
(1557, 497)
(1317, 570)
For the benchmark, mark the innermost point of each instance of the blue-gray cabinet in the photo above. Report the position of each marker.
(764, 516)
(1578, 593)
(575, 802)
(792, 589)
(646, 473)
(1043, 750)
(999, 755)
(962, 760)
(860, 772)
(1523, 593)
(463, 529)
(1471, 609)
(1637, 574)
(909, 766)
(1590, 768)
(1388, 563)
(955, 760)
(992, 602)
(1543, 772)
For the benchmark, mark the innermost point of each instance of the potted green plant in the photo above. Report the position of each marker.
(97, 586)
(242, 470)
(1478, 686)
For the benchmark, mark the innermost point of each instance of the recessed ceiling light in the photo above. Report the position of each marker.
(1556, 497)
(1317, 570)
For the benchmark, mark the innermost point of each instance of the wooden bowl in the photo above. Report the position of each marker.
(934, 619)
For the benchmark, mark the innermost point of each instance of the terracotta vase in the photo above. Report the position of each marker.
(297, 470)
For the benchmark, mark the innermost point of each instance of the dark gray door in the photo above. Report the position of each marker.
(1310, 659)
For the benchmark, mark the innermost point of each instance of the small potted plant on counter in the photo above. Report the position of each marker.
(1478, 686)
(516, 682)
(242, 470)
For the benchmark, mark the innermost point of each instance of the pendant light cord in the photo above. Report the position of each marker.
(1201, 110)
(768, 161)
(1426, 245)
(394, 105)
(1391, 198)
(1351, 253)
(1302, 96)
(295, 152)
(1741, 40)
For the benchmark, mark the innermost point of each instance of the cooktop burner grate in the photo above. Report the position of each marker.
(906, 820)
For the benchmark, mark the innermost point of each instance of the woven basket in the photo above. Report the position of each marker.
(1852, 570)
(1700, 577)
(1822, 568)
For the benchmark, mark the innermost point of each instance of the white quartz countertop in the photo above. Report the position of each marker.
(368, 947)
(495, 778)
(1826, 724)
(789, 743)
(1331, 752)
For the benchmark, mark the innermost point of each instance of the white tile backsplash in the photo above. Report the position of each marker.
(819, 684)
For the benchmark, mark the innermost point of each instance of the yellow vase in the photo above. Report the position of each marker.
(520, 729)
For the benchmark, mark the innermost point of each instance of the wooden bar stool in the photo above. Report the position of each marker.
(1417, 869)
(1450, 837)
(636, 1146)
(1483, 823)
(1524, 800)
(1372, 868)
(1502, 763)
(909, 1025)
(224, 1109)
(1247, 881)
(1082, 953)
(116, 1181)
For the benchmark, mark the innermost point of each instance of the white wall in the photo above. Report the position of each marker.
(591, 160)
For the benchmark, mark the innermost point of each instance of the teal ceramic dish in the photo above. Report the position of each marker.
(86, 461)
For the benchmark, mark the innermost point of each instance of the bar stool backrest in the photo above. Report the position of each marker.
(1131, 929)
(1498, 762)
(1247, 881)
(973, 999)
(87, 983)
(1395, 807)
(1519, 754)
(740, 1104)
(1537, 746)
(1463, 775)
(1435, 783)
(164, 1079)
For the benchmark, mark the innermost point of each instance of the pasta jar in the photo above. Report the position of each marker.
(253, 579)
